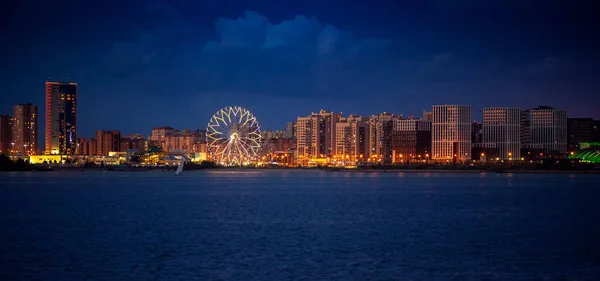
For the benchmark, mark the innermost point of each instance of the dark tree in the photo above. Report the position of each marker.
(5, 163)
(20, 165)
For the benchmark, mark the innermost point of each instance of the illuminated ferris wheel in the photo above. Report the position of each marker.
(233, 136)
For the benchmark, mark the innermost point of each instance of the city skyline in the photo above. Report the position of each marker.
(447, 133)
(175, 62)
(425, 115)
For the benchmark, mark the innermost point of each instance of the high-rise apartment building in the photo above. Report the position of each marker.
(581, 130)
(86, 146)
(158, 135)
(24, 129)
(107, 141)
(477, 133)
(304, 137)
(502, 128)
(451, 132)
(133, 142)
(290, 130)
(181, 143)
(544, 128)
(428, 115)
(316, 136)
(275, 146)
(411, 140)
(61, 118)
(380, 136)
(5, 134)
(268, 134)
(352, 138)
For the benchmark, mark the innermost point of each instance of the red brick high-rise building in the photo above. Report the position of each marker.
(5, 134)
(24, 129)
(107, 141)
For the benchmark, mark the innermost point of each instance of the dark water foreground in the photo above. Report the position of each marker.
(302, 225)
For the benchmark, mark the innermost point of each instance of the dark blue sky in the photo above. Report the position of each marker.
(141, 64)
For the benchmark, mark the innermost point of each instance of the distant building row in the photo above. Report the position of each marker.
(447, 133)
(18, 134)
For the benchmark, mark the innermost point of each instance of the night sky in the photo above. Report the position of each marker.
(143, 64)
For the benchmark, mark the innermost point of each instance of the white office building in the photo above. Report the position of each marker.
(451, 134)
(502, 127)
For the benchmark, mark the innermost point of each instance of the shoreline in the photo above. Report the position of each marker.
(449, 171)
(332, 170)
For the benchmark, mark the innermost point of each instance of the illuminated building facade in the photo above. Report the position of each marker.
(24, 129)
(268, 134)
(316, 136)
(290, 130)
(451, 133)
(352, 139)
(107, 141)
(133, 142)
(545, 128)
(180, 142)
(411, 140)
(380, 136)
(428, 116)
(61, 118)
(157, 137)
(502, 127)
(304, 139)
(86, 146)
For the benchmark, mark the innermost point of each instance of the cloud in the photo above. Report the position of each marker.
(246, 32)
(255, 32)
(296, 32)
(297, 57)
(303, 57)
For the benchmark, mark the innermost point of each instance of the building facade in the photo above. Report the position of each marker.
(352, 139)
(5, 134)
(107, 141)
(316, 136)
(545, 129)
(502, 127)
(380, 136)
(158, 135)
(180, 143)
(24, 129)
(304, 138)
(268, 134)
(411, 140)
(451, 133)
(86, 146)
(477, 133)
(61, 118)
(290, 130)
(133, 142)
(581, 130)
(428, 116)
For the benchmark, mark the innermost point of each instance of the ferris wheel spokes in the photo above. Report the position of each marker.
(233, 136)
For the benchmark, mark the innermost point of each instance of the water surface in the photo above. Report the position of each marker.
(301, 225)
